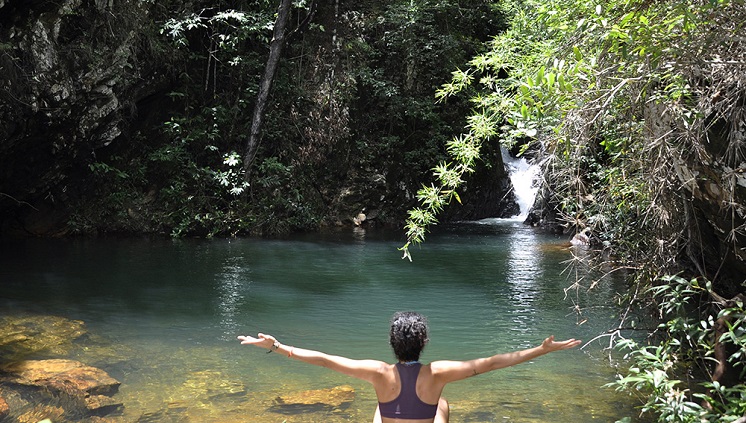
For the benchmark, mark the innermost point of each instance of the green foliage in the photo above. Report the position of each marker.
(230, 27)
(615, 96)
(674, 376)
(587, 82)
(233, 177)
(284, 207)
(350, 123)
(117, 183)
(311, 124)
(411, 50)
(195, 193)
(183, 186)
(201, 188)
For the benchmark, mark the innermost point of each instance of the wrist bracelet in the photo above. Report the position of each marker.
(275, 347)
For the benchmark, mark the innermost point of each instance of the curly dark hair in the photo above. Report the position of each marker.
(408, 335)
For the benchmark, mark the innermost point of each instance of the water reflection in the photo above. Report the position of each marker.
(231, 283)
(358, 233)
(523, 272)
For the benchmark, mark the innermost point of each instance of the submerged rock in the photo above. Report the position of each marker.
(315, 400)
(41, 414)
(4, 409)
(80, 389)
(211, 385)
(23, 336)
(60, 374)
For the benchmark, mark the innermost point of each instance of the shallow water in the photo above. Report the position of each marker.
(163, 316)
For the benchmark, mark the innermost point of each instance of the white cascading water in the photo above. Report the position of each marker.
(523, 176)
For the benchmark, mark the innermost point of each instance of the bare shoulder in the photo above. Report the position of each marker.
(385, 379)
(374, 365)
(446, 371)
(441, 366)
(381, 368)
(387, 369)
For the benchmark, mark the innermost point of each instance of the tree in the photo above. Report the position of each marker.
(275, 52)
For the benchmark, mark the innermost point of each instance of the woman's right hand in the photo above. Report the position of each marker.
(262, 340)
(551, 345)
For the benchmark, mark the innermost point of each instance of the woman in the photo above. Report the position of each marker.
(408, 391)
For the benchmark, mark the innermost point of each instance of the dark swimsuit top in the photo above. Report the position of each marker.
(408, 405)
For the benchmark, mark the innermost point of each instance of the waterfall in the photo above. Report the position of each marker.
(523, 176)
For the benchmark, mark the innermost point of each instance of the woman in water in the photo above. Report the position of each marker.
(408, 390)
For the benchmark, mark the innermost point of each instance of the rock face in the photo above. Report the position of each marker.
(86, 81)
(71, 77)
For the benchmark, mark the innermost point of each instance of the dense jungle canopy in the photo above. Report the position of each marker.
(141, 117)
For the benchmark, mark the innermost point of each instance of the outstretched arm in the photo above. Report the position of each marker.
(368, 370)
(451, 371)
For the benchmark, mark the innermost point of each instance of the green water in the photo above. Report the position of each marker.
(163, 316)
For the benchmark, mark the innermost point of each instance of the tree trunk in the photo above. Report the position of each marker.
(275, 51)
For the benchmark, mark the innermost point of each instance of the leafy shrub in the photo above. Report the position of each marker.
(675, 377)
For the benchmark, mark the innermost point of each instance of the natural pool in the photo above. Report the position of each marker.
(162, 318)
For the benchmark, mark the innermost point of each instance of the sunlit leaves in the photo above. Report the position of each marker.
(416, 227)
(482, 126)
(233, 177)
(434, 198)
(176, 28)
(464, 149)
(459, 81)
(229, 28)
